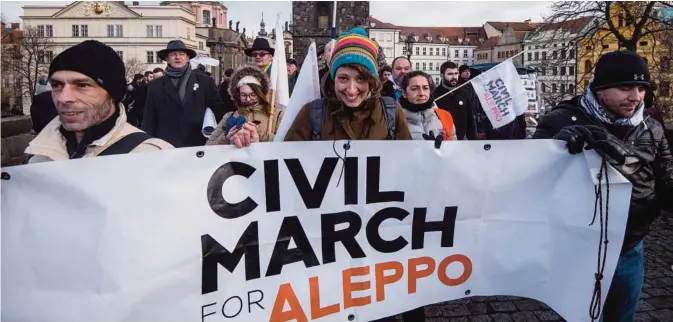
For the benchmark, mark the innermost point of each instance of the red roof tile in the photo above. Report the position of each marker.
(516, 26)
(489, 43)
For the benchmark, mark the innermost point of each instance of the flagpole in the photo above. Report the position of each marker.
(334, 11)
(470, 81)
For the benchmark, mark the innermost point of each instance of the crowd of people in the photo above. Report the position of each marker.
(95, 113)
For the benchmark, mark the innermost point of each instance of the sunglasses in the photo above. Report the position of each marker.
(259, 54)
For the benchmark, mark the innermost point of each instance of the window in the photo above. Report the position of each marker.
(45, 57)
(465, 53)
(537, 55)
(443, 51)
(431, 52)
(418, 50)
(553, 87)
(571, 70)
(554, 71)
(563, 88)
(200, 45)
(158, 31)
(554, 55)
(563, 53)
(75, 30)
(563, 71)
(206, 17)
(437, 51)
(157, 59)
(424, 66)
(424, 51)
(45, 31)
(437, 67)
(115, 31)
(418, 66)
(431, 67)
(587, 66)
(84, 30)
(150, 57)
(543, 71)
(455, 53)
(530, 56)
(121, 55)
(544, 88)
(436, 80)
(499, 54)
(544, 55)
(150, 31)
(571, 54)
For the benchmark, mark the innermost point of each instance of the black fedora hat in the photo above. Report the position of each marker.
(175, 45)
(260, 44)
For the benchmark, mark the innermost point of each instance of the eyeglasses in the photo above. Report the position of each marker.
(259, 54)
(244, 96)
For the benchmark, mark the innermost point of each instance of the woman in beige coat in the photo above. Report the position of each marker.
(249, 88)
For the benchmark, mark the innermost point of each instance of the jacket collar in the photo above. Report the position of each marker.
(52, 143)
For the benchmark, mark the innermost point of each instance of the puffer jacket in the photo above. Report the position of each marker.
(426, 121)
(652, 184)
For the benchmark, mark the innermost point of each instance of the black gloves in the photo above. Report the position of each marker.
(431, 137)
(618, 153)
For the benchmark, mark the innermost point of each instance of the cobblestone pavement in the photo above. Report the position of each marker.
(656, 303)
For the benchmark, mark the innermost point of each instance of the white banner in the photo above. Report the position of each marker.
(283, 231)
(501, 93)
(278, 75)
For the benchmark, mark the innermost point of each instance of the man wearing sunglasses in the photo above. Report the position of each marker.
(262, 55)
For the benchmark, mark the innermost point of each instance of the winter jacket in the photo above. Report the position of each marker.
(229, 105)
(461, 105)
(219, 135)
(50, 144)
(42, 110)
(652, 185)
(425, 121)
(366, 122)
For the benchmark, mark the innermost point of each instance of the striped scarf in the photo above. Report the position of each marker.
(591, 106)
(267, 68)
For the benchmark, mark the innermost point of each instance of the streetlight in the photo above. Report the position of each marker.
(220, 46)
(409, 42)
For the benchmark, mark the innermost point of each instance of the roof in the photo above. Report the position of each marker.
(490, 42)
(516, 26)
(574, 26)
(452, 34)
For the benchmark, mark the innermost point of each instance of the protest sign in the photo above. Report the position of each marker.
(501, 93)
(287, 231)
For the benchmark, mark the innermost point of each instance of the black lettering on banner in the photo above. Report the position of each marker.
(217, 203)
(351, 181)
(312, 195)
(330, 236)
(271, 185)
(291, 229)
(374, 236)
(419, 227)
(372, 181)
(214, 254)
(240, 307)
(250, 302)
(203, 317)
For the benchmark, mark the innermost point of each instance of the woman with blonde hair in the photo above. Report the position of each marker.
(249, 88)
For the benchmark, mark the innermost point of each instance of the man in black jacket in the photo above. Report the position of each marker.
(177, 102)
(610, 118)
(459, 103)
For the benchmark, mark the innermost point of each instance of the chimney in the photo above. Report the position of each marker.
(527, 21)
(136, 3)
(15, 25)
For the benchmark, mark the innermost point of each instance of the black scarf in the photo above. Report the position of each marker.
(411, 107)
(93, 133)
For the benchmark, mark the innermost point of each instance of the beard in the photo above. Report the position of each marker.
(92, 116)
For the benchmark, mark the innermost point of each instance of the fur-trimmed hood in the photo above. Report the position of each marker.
(249, 71)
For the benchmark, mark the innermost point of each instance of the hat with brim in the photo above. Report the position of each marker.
(175, 45)
(259, 44)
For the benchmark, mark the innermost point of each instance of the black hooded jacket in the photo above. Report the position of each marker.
(652, 184)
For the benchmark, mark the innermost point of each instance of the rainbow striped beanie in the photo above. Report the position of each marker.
(354, 47)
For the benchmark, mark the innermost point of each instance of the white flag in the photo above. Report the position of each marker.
(501, 94)
(306, 89)
(279, 71)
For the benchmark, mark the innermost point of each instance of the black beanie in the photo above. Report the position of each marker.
(620, 68)
(97, 61)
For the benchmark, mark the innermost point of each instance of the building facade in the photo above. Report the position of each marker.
(204, 12)
(432, 46)
(551, 50)
(11, 80)
(312, 21)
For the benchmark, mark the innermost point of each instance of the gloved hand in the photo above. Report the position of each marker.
(431, 137)
(617, 153)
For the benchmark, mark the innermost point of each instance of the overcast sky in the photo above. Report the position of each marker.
(405, 13)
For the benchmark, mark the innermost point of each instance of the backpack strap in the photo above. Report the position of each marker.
(390, 115)
(126, 144)
(317, 117)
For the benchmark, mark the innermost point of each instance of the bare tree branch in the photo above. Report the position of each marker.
(134, 66)
(33, 58)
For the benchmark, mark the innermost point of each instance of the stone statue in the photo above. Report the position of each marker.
(237, 22)
(230, 22)
(243, 31)
(286, 26)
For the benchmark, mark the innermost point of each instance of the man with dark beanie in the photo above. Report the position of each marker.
(91, 119)
(610, 119)
(176, 103)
